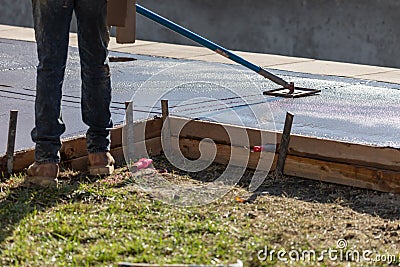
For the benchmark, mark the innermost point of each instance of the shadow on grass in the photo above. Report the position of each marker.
(384, 205)
(21, 201)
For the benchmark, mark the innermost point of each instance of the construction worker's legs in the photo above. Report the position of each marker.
(51, 21)
(93, 38)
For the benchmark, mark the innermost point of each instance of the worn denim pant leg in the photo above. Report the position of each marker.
(93, 38)
(51, 22)
(52, 19)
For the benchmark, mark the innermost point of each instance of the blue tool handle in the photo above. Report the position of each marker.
(207, 43)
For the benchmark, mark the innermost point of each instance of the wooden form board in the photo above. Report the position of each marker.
(356, 165)
(74, 149)
(80, 164)
(237, 156)
(321, 170)
(301, 146)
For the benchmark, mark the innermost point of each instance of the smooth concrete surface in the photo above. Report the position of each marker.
(357, 31)
(333, 68)
(390, 76)
(168, 50)
(347, 109)
(308, 65)
(265, 60)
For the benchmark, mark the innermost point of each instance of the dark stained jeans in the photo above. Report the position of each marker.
(52, 21)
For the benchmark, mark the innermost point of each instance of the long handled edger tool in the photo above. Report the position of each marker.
(288, 90)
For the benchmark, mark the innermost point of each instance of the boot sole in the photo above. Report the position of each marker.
(39, 181)
(101, 170)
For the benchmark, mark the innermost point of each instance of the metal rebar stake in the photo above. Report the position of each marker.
(166, 129)
(12, 129)
(164, 109)
(284, 146)
(129, 132)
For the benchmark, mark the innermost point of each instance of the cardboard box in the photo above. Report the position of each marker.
(127, 34)
(122, 14)
(115, 12)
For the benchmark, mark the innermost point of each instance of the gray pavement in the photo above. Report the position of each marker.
(347, 109)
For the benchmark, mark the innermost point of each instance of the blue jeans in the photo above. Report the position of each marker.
(52, 22)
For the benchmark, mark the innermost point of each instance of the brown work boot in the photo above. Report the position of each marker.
(42, 175)
(101, 163)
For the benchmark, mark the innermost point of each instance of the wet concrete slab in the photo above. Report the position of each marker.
(352, 110)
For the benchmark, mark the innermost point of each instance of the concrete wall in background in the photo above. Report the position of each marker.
(359, 31)
(16, 12)
(19, 13)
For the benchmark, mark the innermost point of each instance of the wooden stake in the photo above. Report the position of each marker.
(129, 112)
(166, 132)
(12, 129)
(284, 146)
(129, 138)
(164, 109)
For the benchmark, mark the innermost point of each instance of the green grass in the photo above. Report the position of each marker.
(101, 223)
